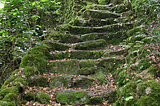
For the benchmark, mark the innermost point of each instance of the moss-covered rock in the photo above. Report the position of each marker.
(11, 97)
(67, 67)
(8, 90)
(87, 70)
(138, 93)
(103, 14)
(30, 96)
(37, 50)
(88, 45)
(72, 97)
(113, 53)
(60, 81)
(38, 81)
(35, 60)
(83, 82)
(42, 97)
(5, 103)
(55, 45)
(111, 64)
(96, 100)
(29, 71)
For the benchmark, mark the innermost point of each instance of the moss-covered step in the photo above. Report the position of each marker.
(66, 66)
(40, 97)
(89, 45)
(107, 28)
(54, 45)
(110, 65)
(99, 14)
(83, 82)
(60, 81)
(78, 21)
(88, 67)
(77, 54)
(110, 53)
(73, 97)
(74, 67)
(114, 8)
(63, 37)
(111, 38)
(38, 81)
(84, 30)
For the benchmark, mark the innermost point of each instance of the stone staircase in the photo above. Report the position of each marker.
(77, 63)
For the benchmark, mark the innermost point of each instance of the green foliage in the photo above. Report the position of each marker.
(21, 28)
(147, 9)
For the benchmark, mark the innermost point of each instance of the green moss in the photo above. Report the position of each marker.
(63, 27)
(36, 61)
(148, 101)
(30, 71)
(121, 78)
(15, 72)
(67, 67)
(87, 63)
(11, 97)
(20, 83)
(37, 50)
(128, 90)
(132, 32)
(58, 55)
(144, 64)
(96, 100)
(38, 81)
(101, 14)
(55, 45)
(113, 53)
(102, 78)
(83, 82)
(60, 81)
(72, 97)
(93, 36)
(87, 70)
(10, 79)
(56, 35)
(111, 64)
(150, 90)
(5, 103)
(88, 45)
(30, 96)
(42, 97)
(83, 54)
(153, 70)
(111, 97)
(8, 90)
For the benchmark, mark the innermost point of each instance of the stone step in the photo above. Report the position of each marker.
(87, 54)
(85, 67)
(53, 80)
(110, 7)
(98, 22)
(99, 14)
(107, 28)
(111, 38)
(55, 45)
(90, 45)
(95, 95)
